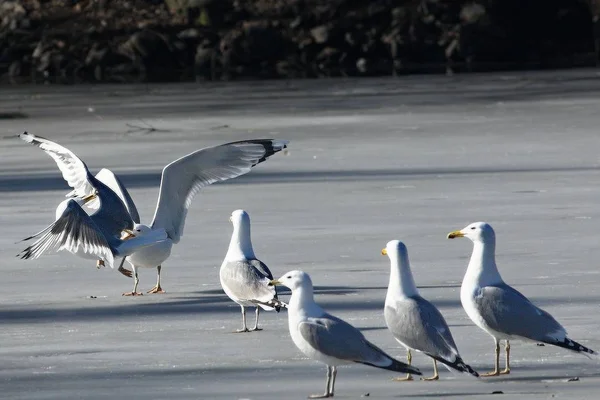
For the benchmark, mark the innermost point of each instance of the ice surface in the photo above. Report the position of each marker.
(370, 160)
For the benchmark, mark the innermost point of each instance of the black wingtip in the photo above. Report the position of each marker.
(574, 346)
(271, 146)
(459, 365)
(396, 366)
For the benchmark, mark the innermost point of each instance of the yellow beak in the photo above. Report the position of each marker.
(274, 282)
(384, 252)
(455, 234)
(89, 198)
(127, 234)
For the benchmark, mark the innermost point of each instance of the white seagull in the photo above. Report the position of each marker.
(181, 180)
(244, 278)
(500, 310)
(415, 322)
(328, 339)
(95, 236)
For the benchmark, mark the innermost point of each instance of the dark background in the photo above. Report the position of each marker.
(182, 40)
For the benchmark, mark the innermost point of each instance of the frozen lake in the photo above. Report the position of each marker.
(369, 161)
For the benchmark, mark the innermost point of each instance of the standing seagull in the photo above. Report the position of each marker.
(97, 235)
(326, 338)
(416, 323)
(180, 182)
(500, 310)
(244, 278)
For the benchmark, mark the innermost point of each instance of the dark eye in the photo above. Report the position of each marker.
(137, 230)
(472, 227)
(288, 277)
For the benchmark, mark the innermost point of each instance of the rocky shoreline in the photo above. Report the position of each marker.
(181, 40)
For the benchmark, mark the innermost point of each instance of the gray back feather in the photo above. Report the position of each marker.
(337, 338)
(246, 281)
(418, 324)
(506, 310)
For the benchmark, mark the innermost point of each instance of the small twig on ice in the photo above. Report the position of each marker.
(144, 129)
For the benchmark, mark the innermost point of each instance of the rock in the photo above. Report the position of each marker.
(205, 61)
(320, 34)
(472, 13)
(153, 54)
(12, 15)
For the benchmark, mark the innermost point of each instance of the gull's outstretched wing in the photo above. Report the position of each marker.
(75, 232)
(183, 178)
(74, 171)
(107, 177)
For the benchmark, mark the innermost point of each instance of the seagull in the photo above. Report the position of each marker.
(415, 322)
(500, 310)
(95, 236)
(326, 338)
(180, 182)
(244, 278)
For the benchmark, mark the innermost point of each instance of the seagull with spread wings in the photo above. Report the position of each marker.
(180, 182)
(96, 235)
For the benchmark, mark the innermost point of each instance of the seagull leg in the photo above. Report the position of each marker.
(496, 370)
(157, 288)
(506, 370)
(244, 326)
(125, 271)
(256, 328)
(333, 375)
(136, 280)
(435, 376)
(331, 372)
(408, 377)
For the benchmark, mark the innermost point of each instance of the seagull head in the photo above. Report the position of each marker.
(394, 249)
(239, 218)
(138, 230)
(477, 232)
(293, 280)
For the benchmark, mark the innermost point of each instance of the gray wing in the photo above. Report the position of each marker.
(418, 324)
(107, 177)
(74, 231)
(506, 310)
(112, 216)
(246, 282)
(264, 270)
(183, 178)
(74, 171)
(337, 338)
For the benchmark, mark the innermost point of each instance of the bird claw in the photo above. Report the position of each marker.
(320, 396)
(132, 294)
(488, 374)
(100, 263)
(403, 379)
(241, 330)
(156, 289)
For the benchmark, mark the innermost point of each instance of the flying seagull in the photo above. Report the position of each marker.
(98, 235)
